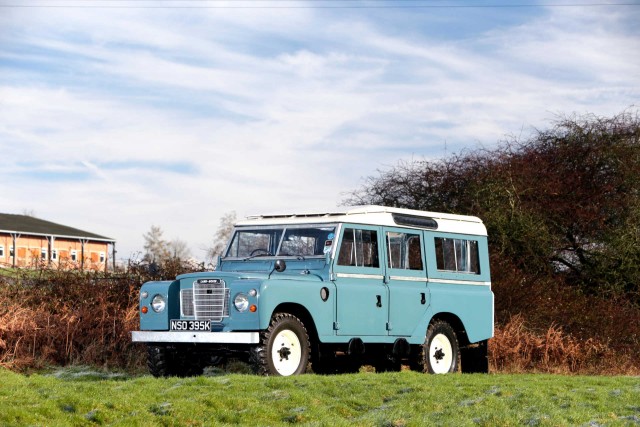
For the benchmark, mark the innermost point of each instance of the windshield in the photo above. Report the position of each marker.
(299, 241)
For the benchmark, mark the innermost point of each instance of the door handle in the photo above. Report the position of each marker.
(423, 300)
(379, 303)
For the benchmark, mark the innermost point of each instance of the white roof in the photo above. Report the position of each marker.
(369, 215)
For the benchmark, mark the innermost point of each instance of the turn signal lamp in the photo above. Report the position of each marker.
(144, 309)
(253, 308)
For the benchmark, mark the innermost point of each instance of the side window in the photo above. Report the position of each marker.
(310, 241)
(404, 251)
(458, 255)
(359, 248)
(1, 251)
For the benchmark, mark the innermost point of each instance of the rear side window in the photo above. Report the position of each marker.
(457, 255)
(359, 248)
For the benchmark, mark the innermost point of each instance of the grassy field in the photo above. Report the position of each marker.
(84, 397)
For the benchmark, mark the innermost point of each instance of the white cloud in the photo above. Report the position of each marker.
(114, 120)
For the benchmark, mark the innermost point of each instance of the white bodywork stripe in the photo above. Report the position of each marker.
(459, 282)
(409, 279)
(360, 276)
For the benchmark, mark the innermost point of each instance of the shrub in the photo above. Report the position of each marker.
(55, 317)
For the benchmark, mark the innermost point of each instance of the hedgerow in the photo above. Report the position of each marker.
(60, 318)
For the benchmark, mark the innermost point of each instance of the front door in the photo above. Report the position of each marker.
(362, 295)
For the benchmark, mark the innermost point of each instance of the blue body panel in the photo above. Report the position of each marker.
(473, 305)
(304, 291)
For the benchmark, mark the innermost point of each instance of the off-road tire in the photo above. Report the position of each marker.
(284, 347)
(440, 353)
(159, 360)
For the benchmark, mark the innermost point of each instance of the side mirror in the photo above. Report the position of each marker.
(280, 266)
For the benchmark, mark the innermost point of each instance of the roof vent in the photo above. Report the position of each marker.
(415, 221)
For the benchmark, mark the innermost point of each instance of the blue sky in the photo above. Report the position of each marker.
(119, 115)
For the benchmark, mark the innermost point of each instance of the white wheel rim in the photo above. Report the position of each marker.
(286, 352)
(440, 354)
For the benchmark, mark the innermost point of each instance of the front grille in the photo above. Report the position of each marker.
(186, 302)
(208, 300)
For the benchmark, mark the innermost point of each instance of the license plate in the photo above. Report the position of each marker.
(190, 325)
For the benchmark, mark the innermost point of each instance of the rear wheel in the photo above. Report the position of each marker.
(284, 348)
(440, 353)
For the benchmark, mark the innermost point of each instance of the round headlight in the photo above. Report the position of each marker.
(158, 303)
(241, 301)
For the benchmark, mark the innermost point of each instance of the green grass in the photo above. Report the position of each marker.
(84, 397)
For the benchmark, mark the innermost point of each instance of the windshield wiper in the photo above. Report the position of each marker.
(266, 253)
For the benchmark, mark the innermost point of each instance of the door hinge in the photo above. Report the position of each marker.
(389, 327)
(336, 326)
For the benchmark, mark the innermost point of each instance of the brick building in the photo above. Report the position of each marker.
(30, 242)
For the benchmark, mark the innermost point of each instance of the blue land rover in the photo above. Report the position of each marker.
(334, 290)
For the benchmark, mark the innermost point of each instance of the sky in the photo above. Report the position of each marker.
(117, 115)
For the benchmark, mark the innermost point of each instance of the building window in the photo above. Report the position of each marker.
(1, 251)
(11, 251)
(43, 254)
(54, 254)
(74, 255)
(102, 257)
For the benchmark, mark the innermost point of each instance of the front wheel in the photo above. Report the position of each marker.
(440, 353)
(284, 348)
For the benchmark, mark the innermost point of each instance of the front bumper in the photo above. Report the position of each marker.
(196, 337)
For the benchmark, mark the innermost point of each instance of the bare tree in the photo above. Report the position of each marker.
(223, 233)
(156, 248)
(178, 249)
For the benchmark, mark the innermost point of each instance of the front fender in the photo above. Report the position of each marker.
(306, 293)
(152, 321)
